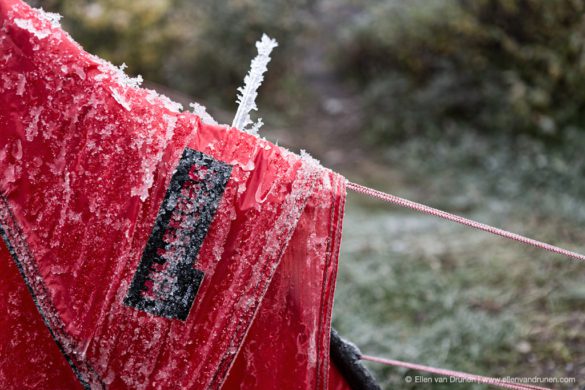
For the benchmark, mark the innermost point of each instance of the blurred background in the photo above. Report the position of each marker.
(472, 106)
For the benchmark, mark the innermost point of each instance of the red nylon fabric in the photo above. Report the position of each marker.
(293, 351)
(336, 379)
(86, 161)
(29, 357)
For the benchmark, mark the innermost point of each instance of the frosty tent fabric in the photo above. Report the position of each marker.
(143, 248)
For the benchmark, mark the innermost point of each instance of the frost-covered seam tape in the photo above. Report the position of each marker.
(8, 224)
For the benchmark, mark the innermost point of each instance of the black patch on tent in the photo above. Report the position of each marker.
(346, 358)
(166, 281)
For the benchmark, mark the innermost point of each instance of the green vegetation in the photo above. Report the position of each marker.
(514, 66)
(422, 290)
(200, 48)
(418, 289)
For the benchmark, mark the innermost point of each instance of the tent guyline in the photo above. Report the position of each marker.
(393, 199)
(470, 378)
(347, 356)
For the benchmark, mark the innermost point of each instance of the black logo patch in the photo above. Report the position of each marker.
(166, 281)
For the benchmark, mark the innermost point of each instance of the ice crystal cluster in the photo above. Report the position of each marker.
(201, 111)
(248, 93)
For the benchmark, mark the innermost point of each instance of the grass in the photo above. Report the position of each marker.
(415, 288)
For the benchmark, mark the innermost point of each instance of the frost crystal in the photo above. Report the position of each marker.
(26, 24)
(256, 126)
(21, 84)
(117, 73)
(309, 160)
(50, 17)
(126, 80)
(32, 129)
(201, 112)
(248, 93)
(154, 98)
(120, 99)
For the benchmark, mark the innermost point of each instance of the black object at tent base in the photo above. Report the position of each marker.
(346, 358)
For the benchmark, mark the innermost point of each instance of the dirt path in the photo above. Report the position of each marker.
(328, 127)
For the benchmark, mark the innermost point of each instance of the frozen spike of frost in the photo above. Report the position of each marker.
(248, 93)
(201, 111)
(256, 127)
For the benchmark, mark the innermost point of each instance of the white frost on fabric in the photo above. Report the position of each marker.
(118, 75)
(78, 70)
(49, 22)
(148, 165)
(122, 78)
(147, 181)
(27, 24)
(308, 159)
(17, 152)
(120, 99)
(171, 122)
(32, 129)
(312, 350)
(201, 111)
(155, 98)
(21, 84)
(248, 93)
(51, 17)
(7, 81)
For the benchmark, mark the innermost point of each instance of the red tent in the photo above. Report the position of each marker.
(143, 248)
